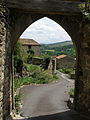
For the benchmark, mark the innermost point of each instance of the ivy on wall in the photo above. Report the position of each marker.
(85, 8)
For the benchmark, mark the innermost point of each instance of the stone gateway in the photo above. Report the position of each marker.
(16, 16)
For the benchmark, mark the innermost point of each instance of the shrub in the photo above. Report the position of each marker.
(18, 102)
(66, 70)
(44, 77)
(71, 92)
(46, 61)
(22, 81)
(31, 68)
(85, 9)
(38, 76)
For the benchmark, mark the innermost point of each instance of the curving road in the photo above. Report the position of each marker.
(48, 102)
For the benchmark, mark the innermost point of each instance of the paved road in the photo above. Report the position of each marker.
(48, 102)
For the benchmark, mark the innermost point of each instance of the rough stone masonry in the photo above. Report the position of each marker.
(2, 55)
(4, 63)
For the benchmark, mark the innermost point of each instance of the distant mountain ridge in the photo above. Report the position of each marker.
(58, 44)
(65, 47)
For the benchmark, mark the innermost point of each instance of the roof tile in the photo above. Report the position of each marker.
(29, 42)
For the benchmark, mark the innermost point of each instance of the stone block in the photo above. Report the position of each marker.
(1, 38)
(1, 96)
(88, 60)
(0, 61)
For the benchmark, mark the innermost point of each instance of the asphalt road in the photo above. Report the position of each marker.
(48, 102)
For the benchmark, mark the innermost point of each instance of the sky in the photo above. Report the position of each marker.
(46, 31)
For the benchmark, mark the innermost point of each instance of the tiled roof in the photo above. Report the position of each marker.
(29, 42)
(61, 56)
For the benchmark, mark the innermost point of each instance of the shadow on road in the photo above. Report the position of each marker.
(67, 115)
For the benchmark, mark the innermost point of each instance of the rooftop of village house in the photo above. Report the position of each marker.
(61, 56)
(29, 42)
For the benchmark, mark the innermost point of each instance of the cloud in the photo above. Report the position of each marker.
(46, 31)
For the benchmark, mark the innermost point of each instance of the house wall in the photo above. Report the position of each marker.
(37, 61)
(52, 66)
(66, 62)
(36, 50)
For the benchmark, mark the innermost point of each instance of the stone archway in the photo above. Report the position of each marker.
(14, 22)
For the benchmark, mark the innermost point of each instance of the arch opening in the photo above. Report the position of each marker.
(57, 58)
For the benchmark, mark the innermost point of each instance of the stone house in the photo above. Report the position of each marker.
(65, 61)
(31, 44)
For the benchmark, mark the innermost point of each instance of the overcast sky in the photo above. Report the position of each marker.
(46, 31)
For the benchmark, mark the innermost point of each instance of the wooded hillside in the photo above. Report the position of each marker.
(59, 48)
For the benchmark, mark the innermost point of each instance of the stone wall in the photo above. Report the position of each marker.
(52, 66)
(36, 50)
(79, 30)
(82, 92)
(66, 62)
(37, 61)
(2, 52)
(4, 64)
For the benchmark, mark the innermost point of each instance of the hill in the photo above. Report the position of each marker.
(59, 48)
(58, 44)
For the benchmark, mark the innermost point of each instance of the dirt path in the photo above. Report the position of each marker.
(48, 102)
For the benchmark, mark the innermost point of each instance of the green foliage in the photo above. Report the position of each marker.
(21, 55)
(30, 55)
(59, 44)
(45, 56)
(39, 76)
(31, 68)
(46, 60)
(55, 77)
(59, 49)
(20, 52)
(44, 77)
(66, 70)
(85, 9)
(71, 92)
(22, 81)
(18, 102)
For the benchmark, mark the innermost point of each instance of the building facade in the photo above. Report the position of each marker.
(64, 61)
(31, 45)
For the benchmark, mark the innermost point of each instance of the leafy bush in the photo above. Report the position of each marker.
(31, 67)
(20, 52)
(18, 102)
(21, 55)
(46, 61)
(66, 70)
(44, 77)
(85, 9)
(71, 92)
